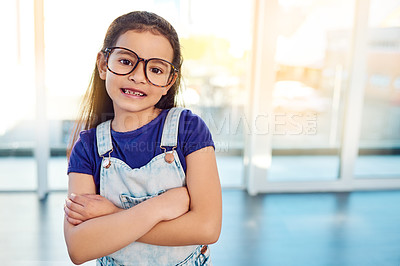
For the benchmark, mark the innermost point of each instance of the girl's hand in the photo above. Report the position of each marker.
(174, 203)
(80, 208)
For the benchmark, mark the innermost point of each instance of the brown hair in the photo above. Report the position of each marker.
(96, 106)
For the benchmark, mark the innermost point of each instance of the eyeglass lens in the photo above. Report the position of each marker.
(122, 62)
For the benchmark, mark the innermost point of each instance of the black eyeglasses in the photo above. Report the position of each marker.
(122, 61)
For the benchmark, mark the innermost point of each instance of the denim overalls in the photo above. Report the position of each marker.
(126, 187)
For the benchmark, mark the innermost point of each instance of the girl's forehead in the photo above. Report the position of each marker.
(146, 44)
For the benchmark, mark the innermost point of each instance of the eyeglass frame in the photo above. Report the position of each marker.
(107, 51)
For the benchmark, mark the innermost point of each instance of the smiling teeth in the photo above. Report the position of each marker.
(136, 93)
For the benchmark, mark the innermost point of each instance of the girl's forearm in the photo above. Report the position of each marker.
(192, 228)
(106, 234)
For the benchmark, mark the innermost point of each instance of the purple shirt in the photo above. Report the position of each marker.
(137, 148)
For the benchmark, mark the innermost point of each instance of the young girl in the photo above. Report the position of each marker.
(143, 181)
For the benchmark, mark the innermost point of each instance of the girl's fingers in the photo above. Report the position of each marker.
(71, 214)
(78, 199)
(76, 207)
(73, 221)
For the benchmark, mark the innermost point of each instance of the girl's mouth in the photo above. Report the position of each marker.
(133, 92)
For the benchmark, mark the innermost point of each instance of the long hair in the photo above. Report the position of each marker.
(97, 106)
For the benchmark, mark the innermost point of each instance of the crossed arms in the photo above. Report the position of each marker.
(94, 227)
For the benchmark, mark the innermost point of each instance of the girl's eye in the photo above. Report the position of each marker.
(156, 70)
(126, 62)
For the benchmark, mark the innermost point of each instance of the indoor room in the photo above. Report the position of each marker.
(302, 100)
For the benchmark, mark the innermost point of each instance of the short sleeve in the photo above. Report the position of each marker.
(194, 133)
(80, 161)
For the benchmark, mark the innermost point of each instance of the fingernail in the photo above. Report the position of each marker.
(73, 195)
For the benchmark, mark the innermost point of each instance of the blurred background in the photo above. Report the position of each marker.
(328, 110)
(300, 96)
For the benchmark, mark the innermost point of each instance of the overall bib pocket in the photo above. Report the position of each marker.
(128, 201)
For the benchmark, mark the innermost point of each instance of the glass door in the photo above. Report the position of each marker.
(379, 151)
(332, 104)
(312, 54)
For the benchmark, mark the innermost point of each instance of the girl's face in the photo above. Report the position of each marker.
(132, 93)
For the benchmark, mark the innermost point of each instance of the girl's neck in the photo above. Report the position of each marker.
(125, 122)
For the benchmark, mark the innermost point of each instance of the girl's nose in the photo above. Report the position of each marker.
(138, 74)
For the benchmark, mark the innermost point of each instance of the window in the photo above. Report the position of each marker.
(379, 151)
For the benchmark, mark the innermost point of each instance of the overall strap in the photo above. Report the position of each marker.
(103, 137)
(170, 131)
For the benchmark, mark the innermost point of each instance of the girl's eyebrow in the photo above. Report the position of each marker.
(161, 61)
(122, 51)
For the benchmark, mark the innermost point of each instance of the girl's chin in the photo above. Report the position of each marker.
(134, 109)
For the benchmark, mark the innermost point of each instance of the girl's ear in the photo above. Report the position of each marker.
(101, 65)
(166, 89)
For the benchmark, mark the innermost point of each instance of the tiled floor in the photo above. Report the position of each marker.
(321, 229)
